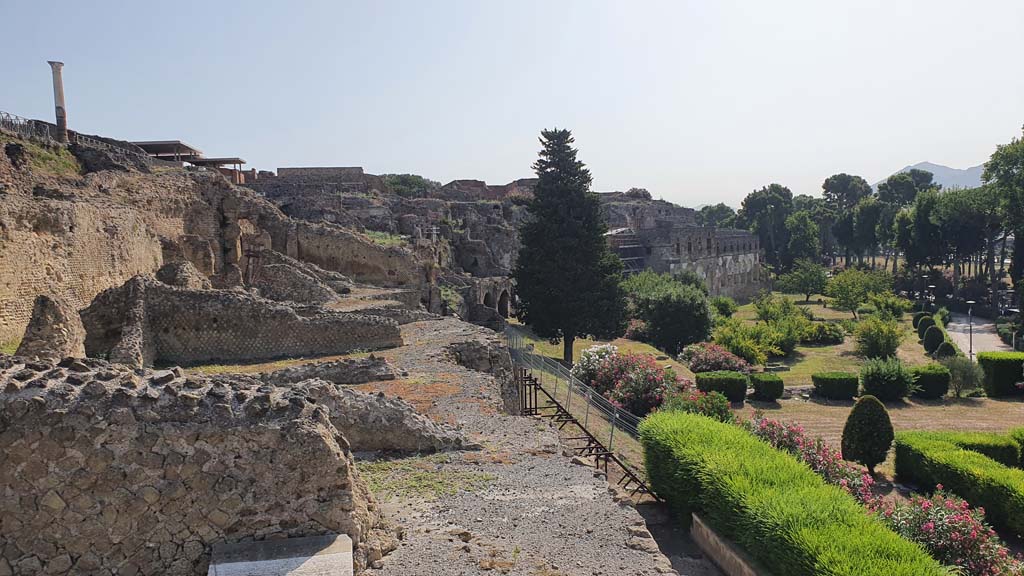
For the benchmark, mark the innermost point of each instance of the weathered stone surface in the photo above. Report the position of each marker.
(487, 353)
(348, 371)
(183, 275)
(144, 481)
(55, 330)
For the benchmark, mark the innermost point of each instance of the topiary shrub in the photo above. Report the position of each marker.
(933, 338)
(868, 433)
(924, 324)
(916, 318)
(886, 379)
(767, 386)
(877, 338)
(932, 380)
(945, 350)
(1003, 373)
(835, 385)
(732, 384)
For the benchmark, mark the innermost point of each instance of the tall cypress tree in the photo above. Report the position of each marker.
(567, 278)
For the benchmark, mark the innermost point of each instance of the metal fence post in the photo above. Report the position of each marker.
(586, 413)
(611, 435)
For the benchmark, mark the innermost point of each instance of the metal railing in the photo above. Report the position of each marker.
(26, 128)
(562, 385)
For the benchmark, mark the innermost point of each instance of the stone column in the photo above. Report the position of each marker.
(58, 100)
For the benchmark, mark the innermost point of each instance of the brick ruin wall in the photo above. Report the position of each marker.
(108, 470)
(146, 322)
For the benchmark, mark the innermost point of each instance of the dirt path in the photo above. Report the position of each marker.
(986, 339)
(518, 506)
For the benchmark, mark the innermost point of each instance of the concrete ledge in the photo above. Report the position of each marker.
(727, 556)
(313, 556)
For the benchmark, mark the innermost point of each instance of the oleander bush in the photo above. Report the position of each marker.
(767, 386)
(867, 434)
(773, 506)
(933, 338)
(835, 385)
(711, 357)
(930, 459)
(732, 384)
(932, 380)
(1003, 373)
(886, 379)
(924, 324)
(585, 369)
(878, 338)
(634, 382)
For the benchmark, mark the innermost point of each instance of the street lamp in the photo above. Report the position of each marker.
(970, 324)
(931, 288)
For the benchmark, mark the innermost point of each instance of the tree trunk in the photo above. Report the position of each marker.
(993, 280)
(956, 276)
(567, 342)
(885, 263)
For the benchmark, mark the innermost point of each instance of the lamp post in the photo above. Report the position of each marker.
(970, 329)
(931, 296)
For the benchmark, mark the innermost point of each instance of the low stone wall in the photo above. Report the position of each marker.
(348, 371)
(106, 470)
(146, 322)
(489, 354)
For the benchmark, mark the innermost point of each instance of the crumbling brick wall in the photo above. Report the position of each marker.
(106, 470)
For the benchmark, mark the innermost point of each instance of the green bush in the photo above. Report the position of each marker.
(924, 324)
(823, 333)
(877, 338)
(933, 338)
(771, 505)
(753, 343)
(1017, 435)
(713, 405)
(941, 316)
(964, 375)
(886, 379)
(945, 350)
(835, 385)
(767, 386)
(1002, 373)
(787, 332)
(732, 384)
(932, 458)
(674, 313)
(932, 380)
(916, 318)
(868, 433)
(889, 306)
(724, 306)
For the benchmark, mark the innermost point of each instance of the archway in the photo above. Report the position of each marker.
(489, 300)
(503, 304)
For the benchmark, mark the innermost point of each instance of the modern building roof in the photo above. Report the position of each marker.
(169, 149)
(214, 161)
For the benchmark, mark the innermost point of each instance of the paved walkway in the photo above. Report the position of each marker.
(985, 337)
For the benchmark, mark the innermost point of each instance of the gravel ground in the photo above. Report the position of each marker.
(536, 513)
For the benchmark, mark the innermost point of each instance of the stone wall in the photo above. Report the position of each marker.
(110, 471)
(146, 322)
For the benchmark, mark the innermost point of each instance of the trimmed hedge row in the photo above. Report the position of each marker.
(917, 318)
(1017, 434)
(959, 462)
(1003, 370)
(923, 325)
(770, 504)
(732, 384)
(835, 385)
(767, 386)
(932, 380)
(933, 337)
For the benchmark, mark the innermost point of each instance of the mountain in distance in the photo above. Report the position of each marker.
(948, 177)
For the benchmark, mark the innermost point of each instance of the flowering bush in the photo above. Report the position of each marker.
(710, 404)
(709, 357)
(585, 369)
(636, 330)
(945, 525)
(634, 382)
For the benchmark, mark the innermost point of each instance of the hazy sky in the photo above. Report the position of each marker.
(698, 102)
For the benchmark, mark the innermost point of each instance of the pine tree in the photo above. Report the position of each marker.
(567, 278)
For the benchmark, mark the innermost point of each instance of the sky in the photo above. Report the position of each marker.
(698, 102)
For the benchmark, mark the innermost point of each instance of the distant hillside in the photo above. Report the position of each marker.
(948, 177)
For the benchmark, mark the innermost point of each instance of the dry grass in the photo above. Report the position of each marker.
(420, 394)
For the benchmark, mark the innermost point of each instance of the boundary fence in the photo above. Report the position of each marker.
(548, 389)
(46, 134)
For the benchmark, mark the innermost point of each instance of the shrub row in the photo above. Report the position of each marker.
(767, 386)
(932, 380)
(835, 385)
(1003, 372)
(770, 504)
(732, 384)
(958, 463)
(1017, 434)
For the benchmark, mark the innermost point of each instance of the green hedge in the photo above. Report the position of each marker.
(924, 324)
(732, 384)
(932, 380)
(1017, 434)
(771, 505)
(835, 385)
(945, 350)
(933, 337)
(959, 462)
(1002, 372)
(767, 386)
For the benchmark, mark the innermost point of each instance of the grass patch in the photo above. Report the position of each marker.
(10, 347)
(385, 238)
(419, 477)
(55, 161)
